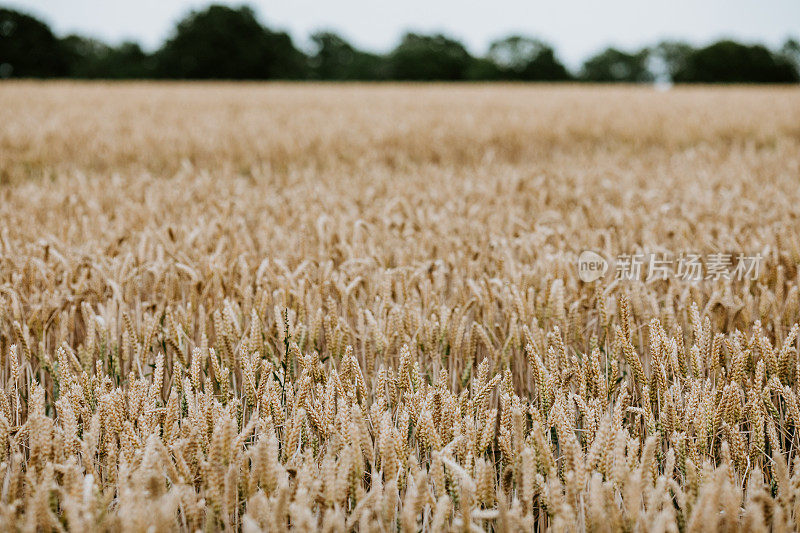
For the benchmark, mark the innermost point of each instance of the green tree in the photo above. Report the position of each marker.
(90, 58)
(336, 59)
(612, 65)
(429, 57)
(28, 49)
(732, 62)
(673, 56)
(228, 43)
(484, 69)
(790, 51)
(524, 58)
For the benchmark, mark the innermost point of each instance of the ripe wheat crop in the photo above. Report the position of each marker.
(271, 307)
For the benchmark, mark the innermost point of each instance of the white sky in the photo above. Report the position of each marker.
(577, 28)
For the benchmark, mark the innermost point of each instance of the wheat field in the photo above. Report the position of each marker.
(358, 307)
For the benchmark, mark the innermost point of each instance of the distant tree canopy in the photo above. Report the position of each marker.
(522, 58)
(222, 42)
(790, 51)
(336, 59)
(28, 48)
(427, 58)
(732, 62)
(90, 58)
(671, 56)
(612, 65)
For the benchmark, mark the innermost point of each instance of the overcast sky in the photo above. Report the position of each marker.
(576, 28)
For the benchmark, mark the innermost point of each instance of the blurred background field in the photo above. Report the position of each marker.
(50, 127)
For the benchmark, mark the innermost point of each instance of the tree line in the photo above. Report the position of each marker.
(221, 42)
